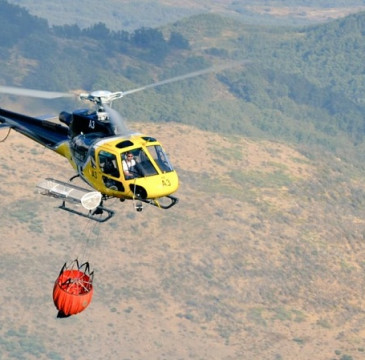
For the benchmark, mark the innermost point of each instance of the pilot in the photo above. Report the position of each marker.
(128, 166)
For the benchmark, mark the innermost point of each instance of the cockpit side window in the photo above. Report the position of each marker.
(108, 163)
(160, 157)
(137, 164)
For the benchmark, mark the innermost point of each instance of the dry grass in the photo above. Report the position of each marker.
(262, 258)
(306, 12)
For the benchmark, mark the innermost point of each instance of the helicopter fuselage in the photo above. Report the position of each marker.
(96, 148)
(101, 162)
(98, 155)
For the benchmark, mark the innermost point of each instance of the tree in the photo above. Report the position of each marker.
(152, 42)
(67, 31)
(98, 32)
(178, 41)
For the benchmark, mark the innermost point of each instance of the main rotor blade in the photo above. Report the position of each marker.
(33, 93)
(187, 76)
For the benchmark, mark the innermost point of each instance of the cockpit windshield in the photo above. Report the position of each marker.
(160, 157)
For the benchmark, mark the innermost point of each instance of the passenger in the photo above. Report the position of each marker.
(109, 168)
(129, 166)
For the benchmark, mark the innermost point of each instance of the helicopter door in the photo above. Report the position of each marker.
(110, 171)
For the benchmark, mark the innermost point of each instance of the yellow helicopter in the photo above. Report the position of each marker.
(114, 161)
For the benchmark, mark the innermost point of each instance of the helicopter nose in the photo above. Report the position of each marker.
(165, 185)
(155, 187)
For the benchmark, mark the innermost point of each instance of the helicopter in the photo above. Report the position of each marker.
(98, 148)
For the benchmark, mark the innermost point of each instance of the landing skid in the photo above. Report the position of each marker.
(100, 214)
(76, 200)
(172, 200)
(92, 201)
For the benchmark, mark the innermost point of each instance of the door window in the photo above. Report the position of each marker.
(108, 163)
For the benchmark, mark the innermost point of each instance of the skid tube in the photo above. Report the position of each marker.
(173, 201)
(92, 214)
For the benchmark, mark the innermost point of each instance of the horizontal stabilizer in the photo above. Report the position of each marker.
(90, 200)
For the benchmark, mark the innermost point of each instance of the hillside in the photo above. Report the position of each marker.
(262, 258)
(301, 85)
(130, 15)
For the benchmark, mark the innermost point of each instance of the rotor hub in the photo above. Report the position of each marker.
(101, 97)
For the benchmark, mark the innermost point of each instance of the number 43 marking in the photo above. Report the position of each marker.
(166, 182)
